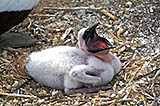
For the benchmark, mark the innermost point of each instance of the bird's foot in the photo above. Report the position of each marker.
(87, 90)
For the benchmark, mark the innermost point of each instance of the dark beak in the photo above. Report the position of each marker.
(99, 49)
(89, 33)
(94, 42)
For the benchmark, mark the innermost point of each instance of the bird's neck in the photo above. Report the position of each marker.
(106, 57)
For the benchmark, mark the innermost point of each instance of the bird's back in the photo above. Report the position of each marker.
(54, 62)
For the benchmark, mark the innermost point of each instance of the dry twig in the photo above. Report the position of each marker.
(41, 15)
(149, 73)
(125, 88)
(66, 33)
(133, 57)
(30, 23)
(17, 95)
(105, 12)
(72, 9)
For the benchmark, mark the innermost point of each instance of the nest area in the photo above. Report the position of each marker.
(132, 26)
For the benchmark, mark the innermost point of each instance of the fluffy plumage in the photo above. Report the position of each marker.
(67, 68)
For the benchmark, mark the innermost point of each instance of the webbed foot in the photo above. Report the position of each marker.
(87, 90)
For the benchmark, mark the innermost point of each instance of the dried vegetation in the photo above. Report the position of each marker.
(132, 26)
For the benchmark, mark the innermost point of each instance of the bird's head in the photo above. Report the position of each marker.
(90, 42)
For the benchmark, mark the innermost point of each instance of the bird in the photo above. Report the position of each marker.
(13, 12)
(83, 69)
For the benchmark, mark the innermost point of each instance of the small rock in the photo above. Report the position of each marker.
(157, 50)
(151, 10)
(40, 101)
(129, 4)
(55, 93)
(76, 19)
(8, 87)
(140, 103)
(58, 30)
(127, 11)
(120, 13)
(44, 92)
(116, 22)
(127, 16)
(104, 17)
(15, 101)
(158, 30)
(158, 100)
(15, 84)
(113, 95)
(108, 25)
(27, 104)
(107, 2)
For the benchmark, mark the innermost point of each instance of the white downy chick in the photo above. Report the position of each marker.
(72, 69)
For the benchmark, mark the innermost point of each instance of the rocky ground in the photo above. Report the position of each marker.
(132, 26)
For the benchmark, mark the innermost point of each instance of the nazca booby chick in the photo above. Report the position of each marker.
(72, 69)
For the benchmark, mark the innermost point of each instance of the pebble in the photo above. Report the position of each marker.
(40, 101)
(15, 100)
(8, 87)
(104, 17)
(129, 4)
(44, 92)
(116, 22)
(55, 93)
(108, 25)
(120, 13)
(76, 19)
(113, 95)
(15, 84)
(158, 30)
(127, 16)
(151, 10)
(127, 11)
(159, 100)
(140, 103)
(27, 104)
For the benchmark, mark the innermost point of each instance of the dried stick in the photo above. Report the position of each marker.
(30, 23)
(72, 9)
(127, 100)
(17, 95)
(41, 15)
(66, 33)
(120, 31)
(142, 76)
(105, 12)
(118, 39)
(133, 57)
(125, 88)
(121, 40)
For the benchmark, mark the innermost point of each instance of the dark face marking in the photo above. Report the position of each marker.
(94, 42)
(89, 33)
